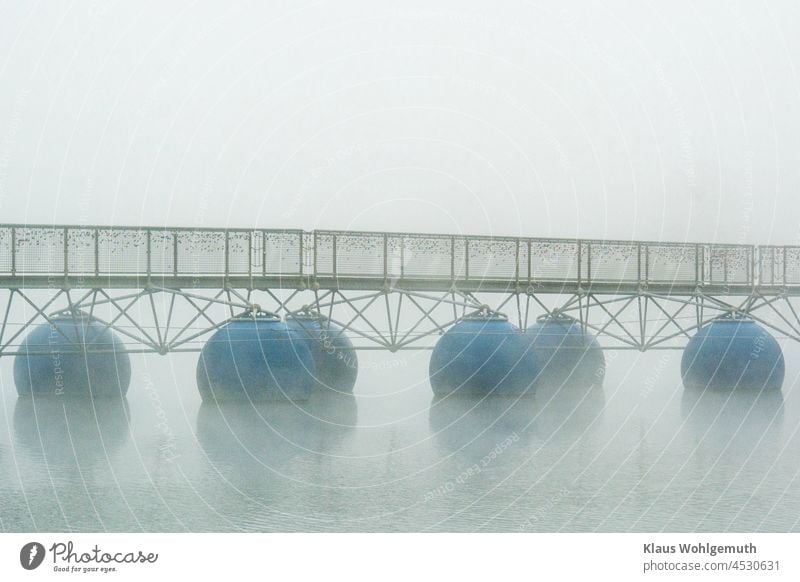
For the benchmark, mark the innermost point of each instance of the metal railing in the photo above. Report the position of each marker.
(528, 260)
(114, 251)
(80, 251)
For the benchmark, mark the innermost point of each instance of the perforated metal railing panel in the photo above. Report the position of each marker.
(555, 260)
(6, 250)
(671, 263)
(728, 264)
(122, 252)
(494, 259)
(109, 251)
(39, 250)
(614, 262)
(162, 252)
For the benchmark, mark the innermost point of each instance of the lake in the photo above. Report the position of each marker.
(637, 454)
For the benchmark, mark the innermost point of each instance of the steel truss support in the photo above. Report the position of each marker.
(162, 320)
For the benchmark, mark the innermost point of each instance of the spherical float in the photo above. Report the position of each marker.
(482, 355)
(255, 357)
(335, 359)
(73, 355)
(565, 354)
(732, 353)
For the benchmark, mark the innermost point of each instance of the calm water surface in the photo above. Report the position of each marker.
(636, 455)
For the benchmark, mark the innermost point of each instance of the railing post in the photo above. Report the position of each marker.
(725, 268)
(66, 252)
(302, 249)
(264, 253)
(315, 250)
(175, 269)
(530, 261)
(335, 274)
(516, 263)
(250, 255)
(580, 261)
(452, 258)
(785, 257)
(706, 273)
(589, 263)
(227, 258)
(639, 264)
(466, 258)
(773, 259)
(385, 256)
(402, 257)
(148, 252)
(96, 252)
(13, 251)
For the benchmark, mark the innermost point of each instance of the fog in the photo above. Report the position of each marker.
(672, 121)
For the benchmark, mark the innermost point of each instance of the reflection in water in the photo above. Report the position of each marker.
(568, 409)
(68, 432)
(332, 413)
(478, 424)
(735, 465)
(253, 437)
(273, 457)
(474, 426)
(739, 416)
(244, 434)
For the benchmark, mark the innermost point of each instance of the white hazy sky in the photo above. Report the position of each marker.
(618, 119)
